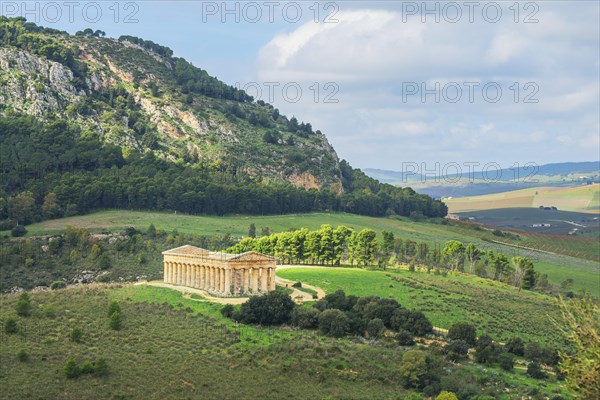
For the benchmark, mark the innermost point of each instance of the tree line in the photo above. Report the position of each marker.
(329, 246)
(50, 170)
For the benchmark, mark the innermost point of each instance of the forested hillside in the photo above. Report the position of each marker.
(88, 122)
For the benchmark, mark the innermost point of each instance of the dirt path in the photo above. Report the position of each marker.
(187, 292)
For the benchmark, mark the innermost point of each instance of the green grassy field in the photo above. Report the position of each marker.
(584, 199)
(497, 309)
(578, 261)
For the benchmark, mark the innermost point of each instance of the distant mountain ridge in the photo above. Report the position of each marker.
(504, 174)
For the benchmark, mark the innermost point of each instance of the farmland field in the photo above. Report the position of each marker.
(536, 220)
(500, 310)
(584, 199)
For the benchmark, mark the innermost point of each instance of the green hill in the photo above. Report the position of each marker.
(88, 122)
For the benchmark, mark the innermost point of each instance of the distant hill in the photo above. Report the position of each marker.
(493, 181)
(583, 198)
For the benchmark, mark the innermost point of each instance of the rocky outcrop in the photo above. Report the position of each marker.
(35, 85)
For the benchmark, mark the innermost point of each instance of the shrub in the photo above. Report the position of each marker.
(456, 349)
(22, 355)
(58, 285)
(71, 369)
(404, 338)
(413, 321)
(305, 317)
(413, 369)
(104, 261)
(297, 285)
(446, 396)
(535, 352)
(23, 306)
(113, 307)
(10, 325)
(515, 346)
(227, 310)
(115, 321)
(76, 335)
(334, 323)
(273, 308)
(87, 367)
(375, 328)
(535, 371)
(18, 231)
(506, 361)
(463, 331)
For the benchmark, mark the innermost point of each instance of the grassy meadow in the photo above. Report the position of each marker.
(497, 309)
(170, 347)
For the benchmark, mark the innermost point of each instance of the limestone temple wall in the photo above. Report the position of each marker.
(219, 273)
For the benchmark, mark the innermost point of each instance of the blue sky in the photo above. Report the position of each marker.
(398, 81)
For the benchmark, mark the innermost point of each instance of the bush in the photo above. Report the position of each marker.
(535, 371)
(71, 369)
(18, 231)
(404, 338)
(333, 322)
(297, 285)
(227, 310)
(87, 367)
(375, 328)
(446, 396)
(115, 321)
(23, 306)
(104, 261)
(76, 335)
(113, 307)
(463, 331)
(506, 361)
(413, 321)
(58, 285)
(515, 346)
(305, 317)
(456, 349)
(22, 355)
(273, 308)
(10, 325)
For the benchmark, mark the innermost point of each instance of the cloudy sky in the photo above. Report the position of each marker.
(389, 81)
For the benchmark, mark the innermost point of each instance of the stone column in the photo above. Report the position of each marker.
(263, 280)
(271, 278)
(227, 286)
(244, 273)
(202, 277)
(165, 271)
(171, 272)
(177, 273)
(213, 278)
(254, 279)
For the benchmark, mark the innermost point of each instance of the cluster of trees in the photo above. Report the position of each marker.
(323, 246)
(518, 271)
(462, 337)
(91, 33)
(335, 315)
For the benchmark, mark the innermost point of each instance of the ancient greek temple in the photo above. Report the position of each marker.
(219, 273)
